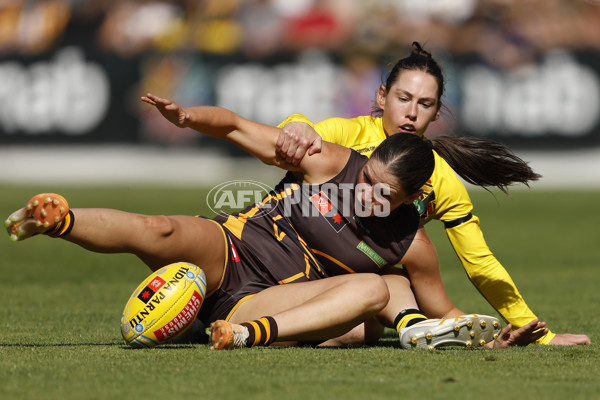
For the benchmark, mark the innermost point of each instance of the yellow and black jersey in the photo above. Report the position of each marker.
(444, 198)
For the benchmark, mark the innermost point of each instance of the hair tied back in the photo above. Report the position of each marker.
(418, 50)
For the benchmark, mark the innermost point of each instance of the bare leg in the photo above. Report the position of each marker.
(156, 240)
(401, 297)
(368, 332)
(317, 310)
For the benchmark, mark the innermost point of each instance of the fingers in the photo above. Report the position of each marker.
(291, 147)
(296, 140)
(148, 100)
(506, 331)
(316, 146)
(155, 100)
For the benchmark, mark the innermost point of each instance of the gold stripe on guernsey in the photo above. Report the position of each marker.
(267, 326)
(291, 278)
(299, 275)
(236, 224)
(256, 332)
(307, 253)
(226, 256)
(341, 264)
(307, 272)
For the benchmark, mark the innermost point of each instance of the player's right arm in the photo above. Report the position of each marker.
(255, 138)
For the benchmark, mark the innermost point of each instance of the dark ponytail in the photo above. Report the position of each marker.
(483, 162)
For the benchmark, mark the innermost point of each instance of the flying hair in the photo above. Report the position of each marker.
(484, 162)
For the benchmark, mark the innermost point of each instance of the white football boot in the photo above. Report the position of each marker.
(470, 330)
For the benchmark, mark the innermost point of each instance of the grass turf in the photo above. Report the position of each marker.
(61, 305)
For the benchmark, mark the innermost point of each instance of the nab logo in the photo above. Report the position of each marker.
(234, 196)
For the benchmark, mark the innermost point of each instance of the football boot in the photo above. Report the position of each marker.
(225, 335)
(470, 330)
(41, 213)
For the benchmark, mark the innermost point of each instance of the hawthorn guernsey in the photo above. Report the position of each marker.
(164, 305)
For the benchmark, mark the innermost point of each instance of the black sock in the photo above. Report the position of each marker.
(408, 317)
(262, 331)
(63, 227)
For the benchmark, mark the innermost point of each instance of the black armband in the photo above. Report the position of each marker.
(459, 221)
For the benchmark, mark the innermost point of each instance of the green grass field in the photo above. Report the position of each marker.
(61, 305)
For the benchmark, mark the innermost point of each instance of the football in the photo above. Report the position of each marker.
(164, 305)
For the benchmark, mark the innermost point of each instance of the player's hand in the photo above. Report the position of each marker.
(169, 109)
(296, 140)
(568, 339)
(520, 337)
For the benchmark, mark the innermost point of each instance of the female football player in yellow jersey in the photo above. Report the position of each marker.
(263, 282)
(407, 103)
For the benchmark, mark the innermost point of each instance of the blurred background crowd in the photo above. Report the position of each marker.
(503, 32)
(522, 71)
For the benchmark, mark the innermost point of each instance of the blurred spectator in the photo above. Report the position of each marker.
(28, 27)
(130, 27)
(262, 28)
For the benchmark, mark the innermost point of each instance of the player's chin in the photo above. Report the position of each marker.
(413, 132)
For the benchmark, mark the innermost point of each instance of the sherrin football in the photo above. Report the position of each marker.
(164, 305)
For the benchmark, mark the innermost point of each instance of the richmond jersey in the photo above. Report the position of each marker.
(444, 198)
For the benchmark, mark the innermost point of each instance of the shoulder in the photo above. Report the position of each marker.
(362, 134)
(321, 167)
(360, 123)
(452, 198)
(295, 118)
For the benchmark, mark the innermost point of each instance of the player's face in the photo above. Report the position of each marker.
(379, 191)
(410, 104)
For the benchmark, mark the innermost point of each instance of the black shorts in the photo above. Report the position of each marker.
(261, 258)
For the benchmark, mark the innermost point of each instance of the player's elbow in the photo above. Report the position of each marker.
(159, 226)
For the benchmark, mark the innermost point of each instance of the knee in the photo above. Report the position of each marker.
(159, 226)
(374, 291)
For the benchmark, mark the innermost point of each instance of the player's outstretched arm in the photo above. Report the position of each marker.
(255, 138)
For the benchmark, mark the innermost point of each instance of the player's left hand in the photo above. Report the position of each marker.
(169, 109)
(520, 337)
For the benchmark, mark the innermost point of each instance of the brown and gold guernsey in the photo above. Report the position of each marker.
(325, 217)
(299, 233)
